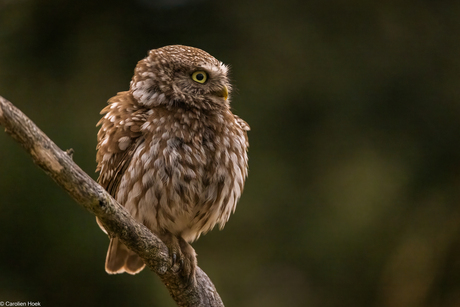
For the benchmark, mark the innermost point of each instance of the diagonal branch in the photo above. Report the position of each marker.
(116, 220)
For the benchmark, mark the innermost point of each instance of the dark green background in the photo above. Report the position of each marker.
(353, 192)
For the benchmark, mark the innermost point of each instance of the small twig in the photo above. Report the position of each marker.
(70, 152)
(58, 165)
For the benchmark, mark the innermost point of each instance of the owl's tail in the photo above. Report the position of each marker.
(120, 259)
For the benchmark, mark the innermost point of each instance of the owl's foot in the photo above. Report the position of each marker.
(189, 264)
(182, 255)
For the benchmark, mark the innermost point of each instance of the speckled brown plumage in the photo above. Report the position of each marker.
(171, 151)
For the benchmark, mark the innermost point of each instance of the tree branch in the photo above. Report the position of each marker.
(116, 220)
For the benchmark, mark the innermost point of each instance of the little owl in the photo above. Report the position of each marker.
(171, 151)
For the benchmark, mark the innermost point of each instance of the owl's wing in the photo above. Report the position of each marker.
(118, 139)
(119, 163)
(243, 125)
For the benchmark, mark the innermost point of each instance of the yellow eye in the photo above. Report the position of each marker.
(200, 76)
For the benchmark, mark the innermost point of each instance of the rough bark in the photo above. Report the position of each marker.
(117, 221)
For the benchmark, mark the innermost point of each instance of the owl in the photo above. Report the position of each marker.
(171, 151)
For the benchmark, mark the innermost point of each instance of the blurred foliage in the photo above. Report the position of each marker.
(353, 194)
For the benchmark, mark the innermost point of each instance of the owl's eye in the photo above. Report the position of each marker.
(200, 76)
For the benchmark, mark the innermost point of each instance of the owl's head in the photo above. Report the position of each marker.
(181, 74)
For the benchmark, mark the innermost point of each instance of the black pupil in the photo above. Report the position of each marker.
(199, 77)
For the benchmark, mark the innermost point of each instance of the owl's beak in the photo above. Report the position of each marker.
(223, 93)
